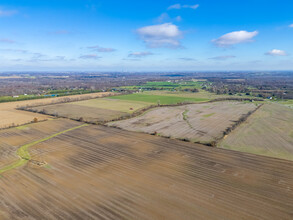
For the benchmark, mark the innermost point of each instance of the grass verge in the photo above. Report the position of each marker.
(24, 155)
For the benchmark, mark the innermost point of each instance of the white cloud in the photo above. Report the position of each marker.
(161, 35)
(176, 6)
(101, 49)
(140, 54)
(291, 25)
(191, 6)
(179, 6)
(90, 56)
(276, 52)
(235, 37)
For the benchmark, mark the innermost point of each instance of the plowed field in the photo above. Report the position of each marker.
(269, 131)
(96, 172)
(202, 123)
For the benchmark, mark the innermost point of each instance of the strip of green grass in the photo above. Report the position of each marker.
(24, 155)
(155, 99)
(208, 115)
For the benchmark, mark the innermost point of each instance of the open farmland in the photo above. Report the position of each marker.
(10, 116)
(111, 108)
(93, 110)
(113, 104)
(122, 175)
(12, 139)
(159, 99)
(288, 103)
(269, 131)
(201, 123)
(201, 95)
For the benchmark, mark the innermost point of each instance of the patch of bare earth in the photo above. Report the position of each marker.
(88, 114)
(202, 123)
(269, 131)
(13, 138)
(98, 172)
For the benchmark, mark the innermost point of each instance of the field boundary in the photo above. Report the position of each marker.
(15, 126)
(237, 124)
(214, 143)
(68, 100)
(24, 156)
(137, 112)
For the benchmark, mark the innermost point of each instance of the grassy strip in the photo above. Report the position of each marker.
(184, 114)
(208, 115)
(24, 155)
(185, 118)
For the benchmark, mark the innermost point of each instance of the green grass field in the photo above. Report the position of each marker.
(288, 103)
(164, 85)
(161, 99)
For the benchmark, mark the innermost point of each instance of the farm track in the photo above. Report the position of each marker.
(23, 152)
(124, 175)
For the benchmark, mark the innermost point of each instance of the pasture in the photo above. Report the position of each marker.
(269, 132)
(288, 103)
(201, 123)
(123, 175)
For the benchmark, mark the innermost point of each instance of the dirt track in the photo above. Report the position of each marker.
(106, 173)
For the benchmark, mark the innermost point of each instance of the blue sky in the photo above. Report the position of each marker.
(169, 35)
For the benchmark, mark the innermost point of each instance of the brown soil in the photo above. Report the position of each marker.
(97, 172)
(75, 112)
(269, 131)
(201, 123)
